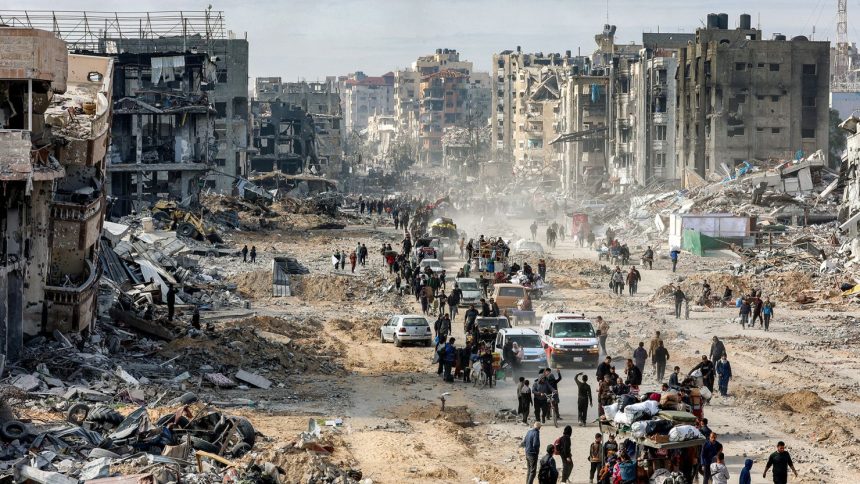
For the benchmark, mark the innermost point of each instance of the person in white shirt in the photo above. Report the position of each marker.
(719, 471)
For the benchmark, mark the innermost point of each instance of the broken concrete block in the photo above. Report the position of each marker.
(96, 469)
(126, 377)
(253, 379)
(219, 380)
(27, 383)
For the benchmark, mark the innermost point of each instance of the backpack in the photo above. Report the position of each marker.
(545, 472)
(556, 446)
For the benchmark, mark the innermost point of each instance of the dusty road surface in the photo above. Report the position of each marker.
(796, 383)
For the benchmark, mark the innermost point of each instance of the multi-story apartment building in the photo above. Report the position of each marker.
(740, 97)
(365, 96)
(409, 100)
(583, 132)
(526, 104)
(443, 104)
(55, 125)
(644, 98)
(322, 101)
(164, 125)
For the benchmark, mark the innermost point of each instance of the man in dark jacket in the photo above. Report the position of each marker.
(541, 392)
(454, 300)
(584, 398)
(707, 369)
(547, 471)
(565, 451)
(469, 319)
(709, 452)
(634, 376)
(485, 308)
(603, 368)
(449, 358)
(680, 297)
(718, 349)
(531, 443)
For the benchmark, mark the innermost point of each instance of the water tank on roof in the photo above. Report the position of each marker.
(713, 21)
(778, 36)
(800, 38)
(724, 21)
(746, 21)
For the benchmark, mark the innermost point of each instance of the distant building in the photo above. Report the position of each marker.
(744, 98)
(364, 96)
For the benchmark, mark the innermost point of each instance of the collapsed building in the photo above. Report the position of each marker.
(163, 129)
(284, 139)
(55, 123)
(319, 100)
(743, 98)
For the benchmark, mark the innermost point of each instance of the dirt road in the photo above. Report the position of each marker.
(394, 430)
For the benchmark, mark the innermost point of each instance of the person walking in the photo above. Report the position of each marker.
(648, 258)
(353, 258)
(541, 392)
(652, 347)
(603, 332)
(584, 399)
(171, 301)
(767, 313)
(633, 278)
(746, 473)
(680, 297)
(660, 356)
(674, 256)
(724, 372)
(718, 349)
(781, 462)
(640, 355)
(531, 443)
(564, 447)
(618, 281)
(548, 472)
(595, 451)
(533, 228)
(757, 304)
(634, 377)
(526, 400)
(709, 452)
(449, 358)
(719, 471)
(744, 312)
(245, 254)
(254, 255)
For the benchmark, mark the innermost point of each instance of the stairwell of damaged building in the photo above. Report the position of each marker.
(54, 130)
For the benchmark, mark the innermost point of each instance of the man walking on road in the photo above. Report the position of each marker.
(660, 356)
(652, 347)
(680, 297)
(565, 451)
(639, 357)
(781, 462)
(531, 442)
(710, 450)
(633, 278)
(718, 349)
(595, 452)
(603, 329)
(719, 471)
(584, 401)
(724, 372)
(674, 256)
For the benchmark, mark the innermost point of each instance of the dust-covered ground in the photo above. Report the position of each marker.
(797, 382)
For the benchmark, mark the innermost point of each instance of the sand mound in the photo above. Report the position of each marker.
(802, 401)
(573, 267)
(779, 287)
(334, 287)
(561, 282)
(257, 284)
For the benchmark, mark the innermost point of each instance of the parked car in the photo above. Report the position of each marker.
(471, 291)
(406, 328)
(534, 356)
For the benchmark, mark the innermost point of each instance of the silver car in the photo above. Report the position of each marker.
(406, 328)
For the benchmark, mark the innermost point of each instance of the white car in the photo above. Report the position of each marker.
(524, 246)
(433, 264)
(406, 328)
(471, 291)
(529, 340)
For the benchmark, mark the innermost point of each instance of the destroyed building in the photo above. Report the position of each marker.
(164, 125)
(743, 98)
(527, 105)
(583, 124)
(644, 103)
(284, 138)
(55, 123)
(322, 101)
(166, 36)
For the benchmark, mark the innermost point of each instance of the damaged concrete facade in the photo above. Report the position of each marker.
(645, 105)
(365, 96)
(322, 101)
(584, 127)
(164, 124)
(527, 105)
(744, 98)
(54, 128)
(284, 138)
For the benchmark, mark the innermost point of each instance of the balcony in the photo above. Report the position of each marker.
(71, 303)
(659, 145)
(660, 118)
(76, 225)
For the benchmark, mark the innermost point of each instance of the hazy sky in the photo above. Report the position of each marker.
(313, 38)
